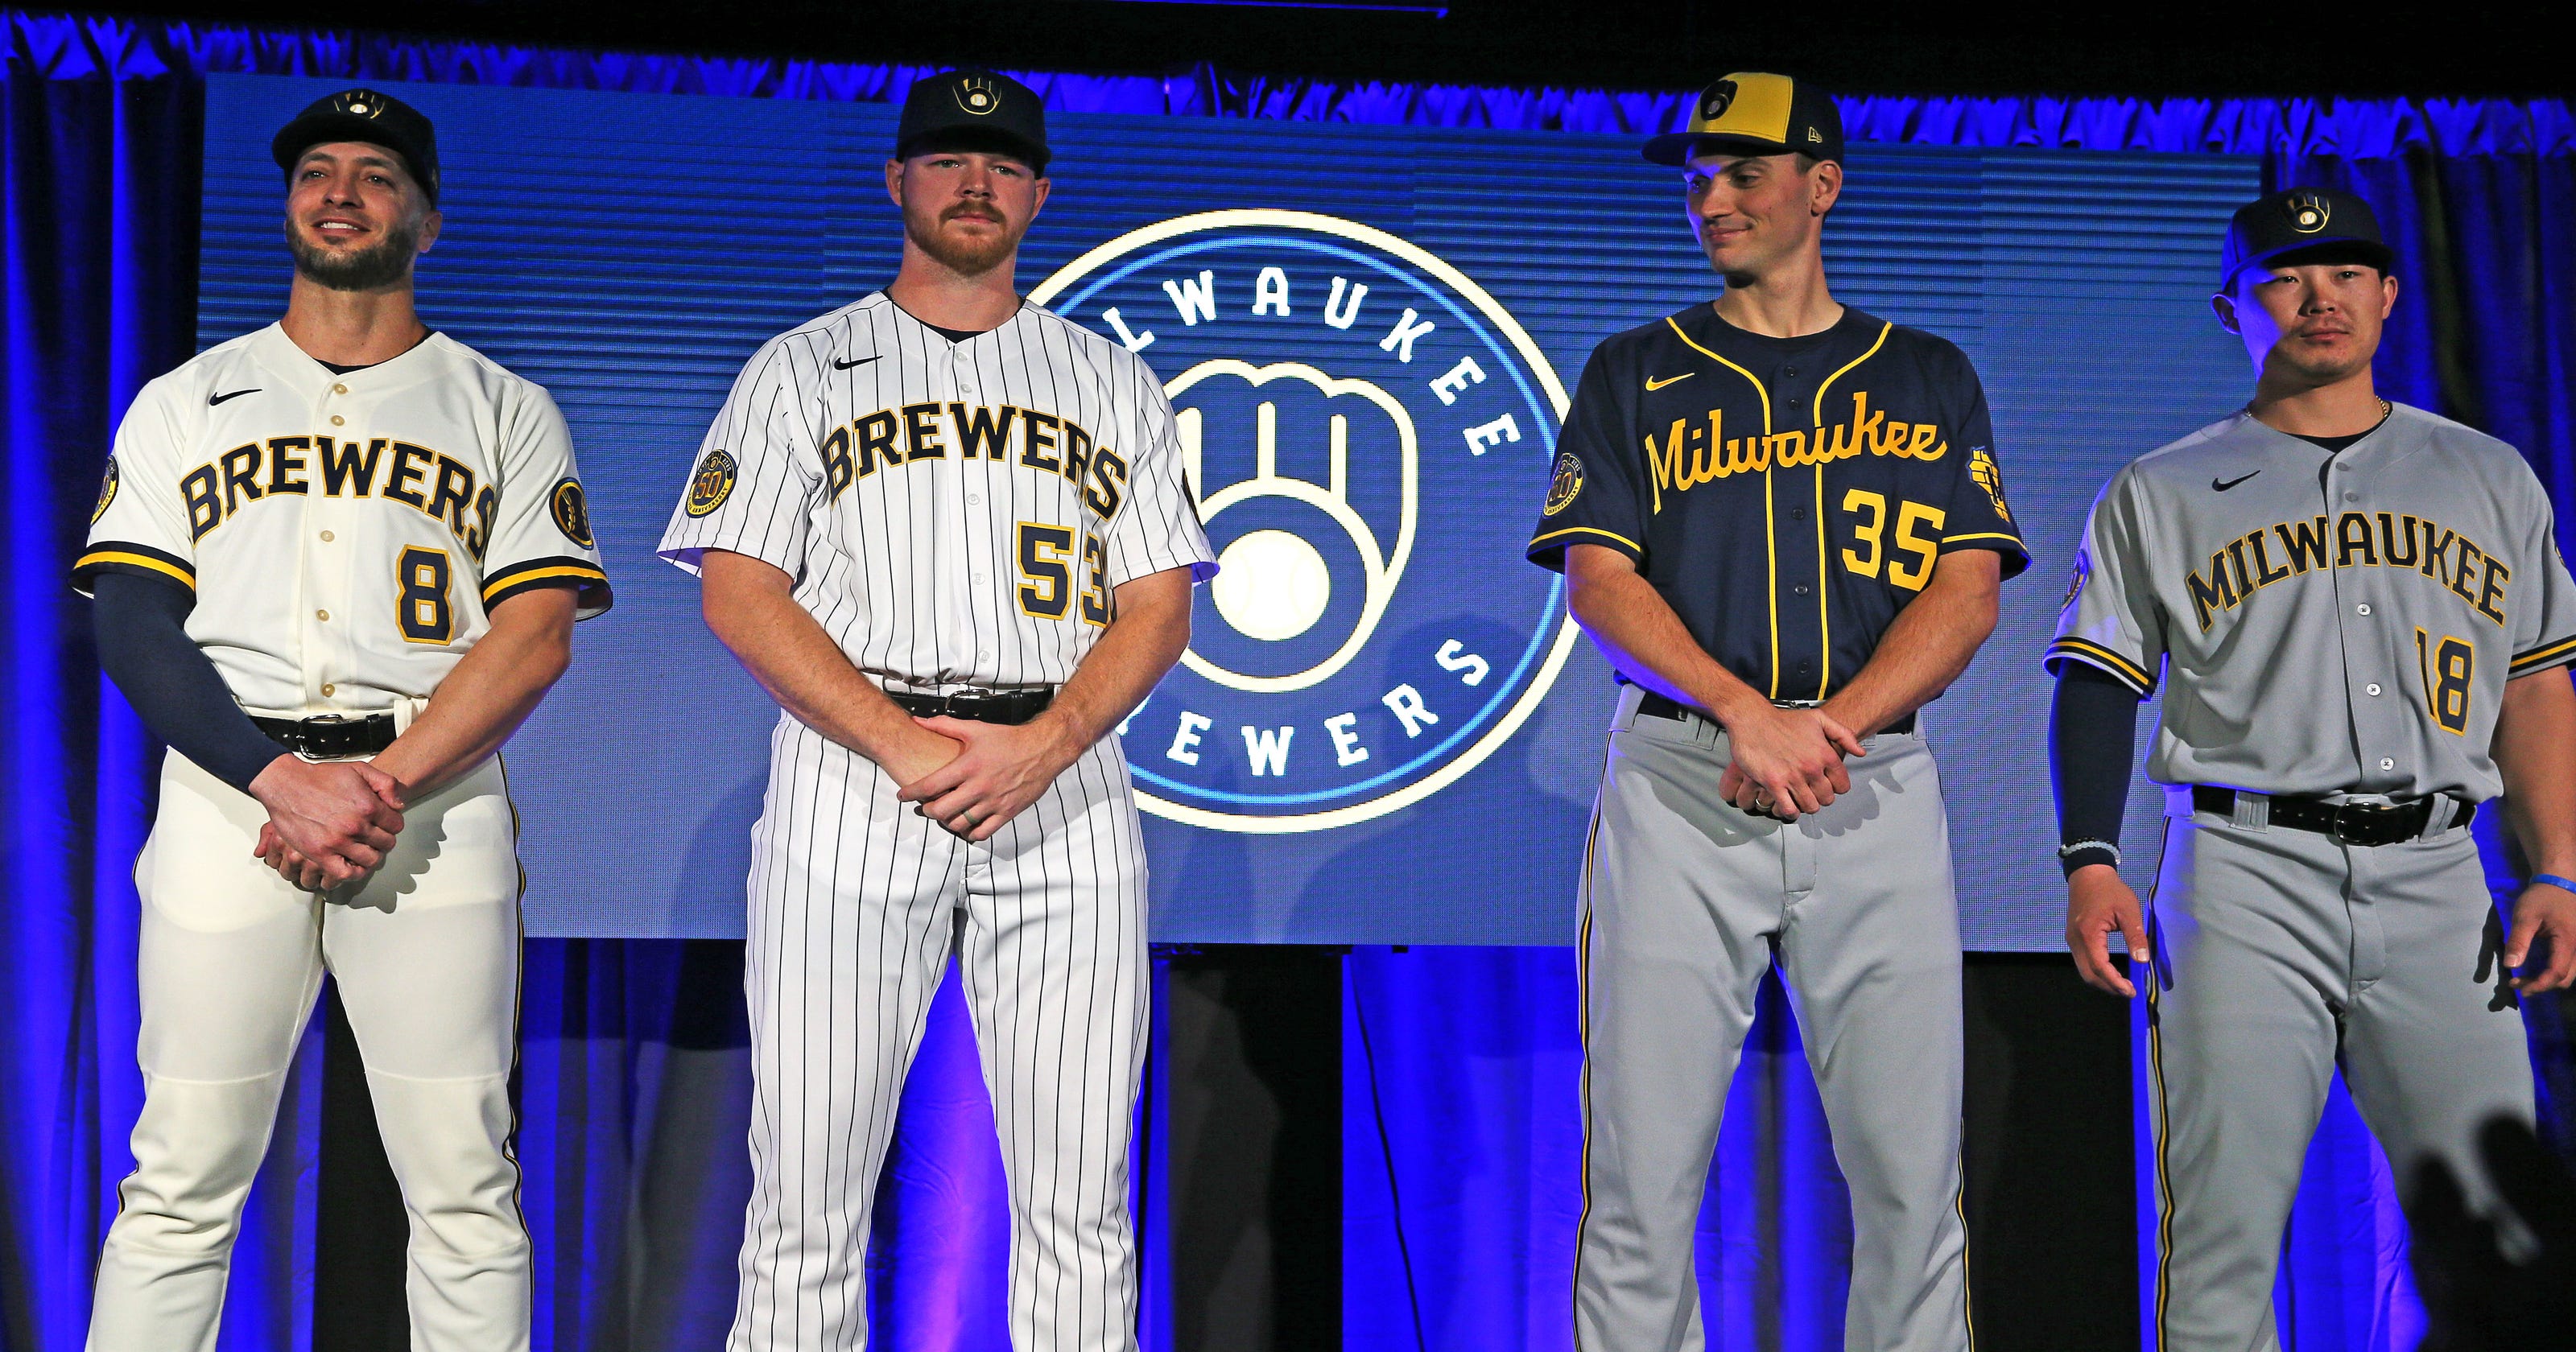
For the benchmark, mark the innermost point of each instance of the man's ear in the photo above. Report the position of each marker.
(429, 229)
(894, 181)
(1828, 187)
(2387, 294)
(2223, 305)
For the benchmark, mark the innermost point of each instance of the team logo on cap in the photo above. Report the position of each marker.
(976, 95)
(2307, 211)
(106, 492)
(572, 512)
(361, 103)
(711, 485)
(1715, 100)
(1356, 418)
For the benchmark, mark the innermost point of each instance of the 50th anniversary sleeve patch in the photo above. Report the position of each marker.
(1564, 484)
(1351, 407)
(711, 484)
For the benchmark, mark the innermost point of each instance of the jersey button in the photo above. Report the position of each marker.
(972, 500)
(336, 420)
(322, 615)
(2363, 608)
(326, 537)
(339, 389)
(978, 580)
(330, 690)
(2371, 689)
(2387, 764)
(1800, 589)
(2351, 497)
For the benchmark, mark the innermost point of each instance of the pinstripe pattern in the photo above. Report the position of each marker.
(919, 564)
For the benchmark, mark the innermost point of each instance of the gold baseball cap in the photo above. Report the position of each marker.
(1751, 112)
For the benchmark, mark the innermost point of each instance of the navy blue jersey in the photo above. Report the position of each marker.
(1786, 496)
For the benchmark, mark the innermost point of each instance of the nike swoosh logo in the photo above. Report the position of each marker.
(840, 365)
(214, 399)
(1654, 384)
(2223, 487)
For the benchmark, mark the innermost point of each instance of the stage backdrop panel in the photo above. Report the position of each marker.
(1386, 730)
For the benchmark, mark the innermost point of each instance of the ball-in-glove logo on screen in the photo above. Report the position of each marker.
(1364, 428)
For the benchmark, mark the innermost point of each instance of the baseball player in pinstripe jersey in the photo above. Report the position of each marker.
(947, 531)
(2361, 623)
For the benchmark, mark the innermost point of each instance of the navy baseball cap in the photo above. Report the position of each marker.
(1751, 113)
(364, 115)
(2334, 224)
(973, 110)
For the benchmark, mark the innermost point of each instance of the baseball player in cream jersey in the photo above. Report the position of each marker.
(2361, 623)
(948, 532)
(350, 539)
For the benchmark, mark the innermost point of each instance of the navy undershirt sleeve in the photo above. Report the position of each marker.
(2092, 743)
(144, 647)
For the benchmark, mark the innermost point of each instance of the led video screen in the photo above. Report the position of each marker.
(1387, 729)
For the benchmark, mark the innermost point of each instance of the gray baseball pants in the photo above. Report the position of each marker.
(2280, 954)
(1686, 902)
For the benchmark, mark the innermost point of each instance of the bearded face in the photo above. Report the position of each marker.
(374, 266)
(967, 210)
(355, 219)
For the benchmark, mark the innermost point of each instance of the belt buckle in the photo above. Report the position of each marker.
(2371, 824)
(970, 705)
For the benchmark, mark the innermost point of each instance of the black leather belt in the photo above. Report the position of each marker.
(982, 706)
(330, 736)
(1664, 706)
(2350, 823)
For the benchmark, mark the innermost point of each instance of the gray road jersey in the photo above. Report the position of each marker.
(2322, 622)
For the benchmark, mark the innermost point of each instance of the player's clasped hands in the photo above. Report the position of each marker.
(1003, 769)
(329, 823)
(1787, 761)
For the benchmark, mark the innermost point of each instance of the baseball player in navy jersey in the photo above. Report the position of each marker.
(337, 561)
(2361, 624)
(948, 532)
(1783, 521)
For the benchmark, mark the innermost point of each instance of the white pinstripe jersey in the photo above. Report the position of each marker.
(345, 535)
(954, 514)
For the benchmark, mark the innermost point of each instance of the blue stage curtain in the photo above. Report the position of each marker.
(1461, 1134)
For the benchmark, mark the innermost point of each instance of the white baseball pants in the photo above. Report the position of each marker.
(426, 952)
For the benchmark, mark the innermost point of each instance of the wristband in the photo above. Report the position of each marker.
(2562, 884)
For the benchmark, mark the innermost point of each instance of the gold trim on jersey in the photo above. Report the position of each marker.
(135, 556)
(1770, 515)
(543, 571)
(2542, 656)
(2094, 654)
(1589, 530)
(1983, 535)
(1824, 593)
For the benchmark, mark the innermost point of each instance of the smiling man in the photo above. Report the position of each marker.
(947, 531)
(337, 562)
(2361, 623)
(1783, 522)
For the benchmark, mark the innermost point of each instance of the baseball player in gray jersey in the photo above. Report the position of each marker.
(2360, 620)
(948, 532)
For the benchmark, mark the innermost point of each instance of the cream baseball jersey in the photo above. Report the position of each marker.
(345, 534)
(2324, 622)
(954, 514)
